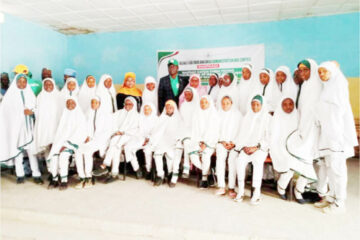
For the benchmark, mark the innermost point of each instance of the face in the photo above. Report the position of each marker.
(297, 78)
(21, 83)
(173, 69)
(48, 86)
(108, 83)
(128, 105)
(204, 103)
(324, 74)
(129, 82)
(212, 81)
(90, 81)
(95, 104)
(255, 106)
(194, 82)
(221, 81)
(4, 80)
(264, 78)
(287, 105)
(226, 104)
(304, 72)
(169, 109)
(147, 110)
(280, 77)
(150, 86)
(246, 73)
(188, 96)
(226, 80)
(70, 104)
(71, 86)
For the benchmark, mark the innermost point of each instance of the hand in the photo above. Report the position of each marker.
(146, 142)
(62, 149)
(224, 144)
(251, 150)
(231, 145)
(118, 133)
(87, 139)
(28, 112)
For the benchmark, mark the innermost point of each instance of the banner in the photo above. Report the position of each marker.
(212, 60)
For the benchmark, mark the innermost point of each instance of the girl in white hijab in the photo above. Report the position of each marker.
(70, 133)
(16, 128)
(98, 131)
(106, 91)
(195, 83)
(48, 115)
(252, 144)
(150, 93)
(213, 87)
(285, 83)
(147, 122)
(204, 136)
(87, 91)
(303, 143)
(164, 138)
(230, 121)
(337, 133)
(228, 88)
(245, 87)
(187, 110)
(125, 126)
(71, 88)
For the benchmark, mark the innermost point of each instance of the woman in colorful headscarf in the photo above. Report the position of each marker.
(87, 91)
(195, 83)
(337, 135)
(150, 94)
(107, 93)
(16, 128)
(252, 143)
(129, 89)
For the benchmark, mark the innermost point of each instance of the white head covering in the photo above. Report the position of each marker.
(107, 95)
(151, 96)
(65, 91)
(85, 95)
(16, 129)
(244, 89)
(205, 124)
(230, 91)
(254, 127)
(215, 89)
(338, 133)
(71, 130)
(48, 113)
(230, 122)
(147, 123)
(289, 87)
(127, 121)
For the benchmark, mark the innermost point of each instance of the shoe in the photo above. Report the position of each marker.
(281, 192)
(172, 185)
(255, 201)
(204, 184)
(63, 186)
(322, 204)
(220, 191)
(158, 181)
(80, 184)
(88, 183)
(20, 180)
(147, 175)
(283, 196)
(38, 181)
(333, 208)
(100, 172)
(139, 174)
(239, 198)
(53, 184)
(232, 193)
(110, 178)
(211, 180)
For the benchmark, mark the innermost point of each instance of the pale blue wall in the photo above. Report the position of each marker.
(286, 42)
(23, 42)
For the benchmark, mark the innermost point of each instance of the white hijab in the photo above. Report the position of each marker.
(71, 130)
(127, 121)
(107, 95)
(289, 87)
(187, 110)
(205, 124)
(254, 127)
(16, 129)
(85, 95)
(147, 123)
(244, 89)
(230, 122)
(215, 89)
(151, 96)
(65, 92)
(338, 133)
(48, 113)
(230, 91)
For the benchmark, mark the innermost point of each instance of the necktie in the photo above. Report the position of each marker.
(298, 96)
(211, 88)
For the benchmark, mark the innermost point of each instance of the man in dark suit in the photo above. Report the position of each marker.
(172, 85)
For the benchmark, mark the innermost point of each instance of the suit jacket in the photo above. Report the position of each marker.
(165, 91)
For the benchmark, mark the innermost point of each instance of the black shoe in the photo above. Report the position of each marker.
(53, 184)
(311, 197)
(158, 181)
(20, 180)
(100, 172)
(204, 184)
(63, 186)
(38, 180)
(138, 174)
(110, 178)
(211, 180)
(169, 178)
(283, 196)
(147, 175)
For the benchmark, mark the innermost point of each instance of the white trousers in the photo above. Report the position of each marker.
(60, 166)
(130, 153)
(285, 179)
(112, 157)
(169, 155)
(34, 165)
(221, 156)
(180, 148)
(84, 161)
(204, 163)
(257, 158)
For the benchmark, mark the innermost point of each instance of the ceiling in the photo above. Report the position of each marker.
(86, 16)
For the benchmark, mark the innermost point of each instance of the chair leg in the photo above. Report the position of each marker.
(124, 172)
(291, 190)
(251, 179)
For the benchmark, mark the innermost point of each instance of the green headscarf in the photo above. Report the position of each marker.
(258, 98)
(306, 63)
